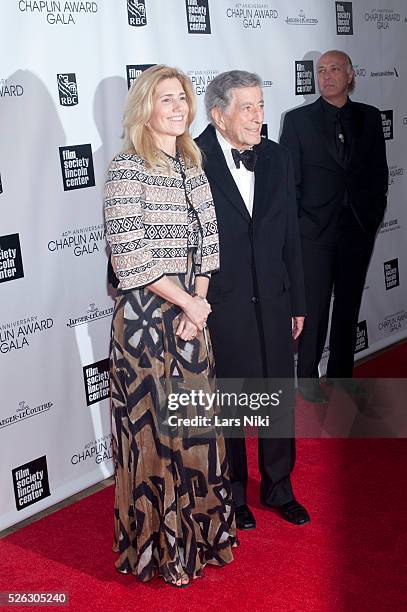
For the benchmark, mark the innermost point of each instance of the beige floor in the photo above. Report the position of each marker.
(109, 481)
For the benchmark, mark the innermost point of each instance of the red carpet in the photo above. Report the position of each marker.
(389, 364)
(352, 557)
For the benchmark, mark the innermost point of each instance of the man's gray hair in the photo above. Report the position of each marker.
(218, 92)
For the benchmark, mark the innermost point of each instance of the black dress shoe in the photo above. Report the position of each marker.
(312, 392)
(294, 513)
(244, 517)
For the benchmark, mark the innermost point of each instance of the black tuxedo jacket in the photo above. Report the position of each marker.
(322, 181)
(260, 282)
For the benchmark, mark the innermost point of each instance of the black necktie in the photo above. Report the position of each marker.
(248, 158)
(340, 138)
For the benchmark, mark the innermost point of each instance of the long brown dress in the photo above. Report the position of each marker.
(173, 501)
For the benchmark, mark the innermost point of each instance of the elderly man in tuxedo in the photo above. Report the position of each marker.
(257, 297)
(339, 157)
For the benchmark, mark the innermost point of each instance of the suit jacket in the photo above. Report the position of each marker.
(260, 282)
(323, 182)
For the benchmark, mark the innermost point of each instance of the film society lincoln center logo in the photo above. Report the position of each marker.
(344, 18)
(304, 77)
(97, 381)
(391, 273)
(11, 263)
(362, 341)
(67, 89)
(198, 16)
(134, 71)
(30, 482)
(387, 122)
(136, 13)
(77, 167)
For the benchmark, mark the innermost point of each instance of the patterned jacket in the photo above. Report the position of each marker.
(147, 221)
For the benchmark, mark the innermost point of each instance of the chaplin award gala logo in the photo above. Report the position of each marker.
(62, 12)
(11, 90)
(99, 451)
(395, 174)
(393, 322)
(31, 482)
(252, 14)
(136, 13)
(81, 241)
(383, 18)
(134, 70)
(389, 225)
(77, 166)
(15, 335)
(304, 78)
(200, 79)
(344, 18)
(67, 89)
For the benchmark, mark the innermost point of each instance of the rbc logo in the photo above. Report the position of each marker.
(67, 89)
(136, 13)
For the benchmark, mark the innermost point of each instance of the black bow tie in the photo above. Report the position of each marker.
(248, 158)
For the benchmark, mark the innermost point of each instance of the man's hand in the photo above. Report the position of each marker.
(186, 330)
(297, 325)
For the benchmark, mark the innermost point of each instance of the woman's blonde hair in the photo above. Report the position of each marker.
(138, 109)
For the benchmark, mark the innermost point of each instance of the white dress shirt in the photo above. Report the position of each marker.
(243, 178)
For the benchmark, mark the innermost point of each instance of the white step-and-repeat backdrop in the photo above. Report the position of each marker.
(65, 70)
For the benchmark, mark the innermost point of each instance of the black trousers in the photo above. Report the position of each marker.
(276, 456)
(340, 267)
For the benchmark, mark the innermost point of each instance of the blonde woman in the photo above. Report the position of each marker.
(173, 504)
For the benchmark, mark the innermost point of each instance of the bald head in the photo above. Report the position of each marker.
(336, 77)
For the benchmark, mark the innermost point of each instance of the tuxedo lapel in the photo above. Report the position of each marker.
(217, 171)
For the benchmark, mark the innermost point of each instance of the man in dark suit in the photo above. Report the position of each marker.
(339, 156)
(257, 297)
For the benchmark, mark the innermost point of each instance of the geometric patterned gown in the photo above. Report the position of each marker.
(173, 502)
